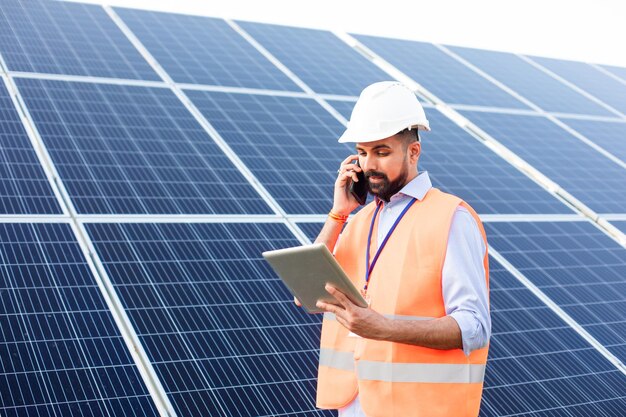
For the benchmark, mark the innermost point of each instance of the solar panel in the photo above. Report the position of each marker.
(578, 266)
(611, 135)
(459, 164)
(444, 76)
(532, 83)
(67, 38)
(538, 365)
(134, 150)
(203, 50)
(62, 354)
(584, 76)
(290, 144)
(320, 59)
(219, 327)
(24, 188)
(586, 174)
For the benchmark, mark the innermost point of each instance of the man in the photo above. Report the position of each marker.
(420, 256)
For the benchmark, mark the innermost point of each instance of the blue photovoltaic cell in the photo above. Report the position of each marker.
(459, 164)
(202, 50)
(67, 38)
(608, 134)
(579, 169)
(220, 328)
(619, 71)
(311, 230)
(530, 82)
(578, 266)
(442, 75)
(24, 188)
(593, 81)
(343, 107)
(290, 144)
(540, 366)
(62, 354)
(319, 58)
(134, 150)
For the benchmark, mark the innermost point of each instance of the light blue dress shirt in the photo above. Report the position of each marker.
(463, 277)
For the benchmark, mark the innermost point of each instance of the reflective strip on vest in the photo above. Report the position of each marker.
(332, 317)
(335, 359)
(427, 373)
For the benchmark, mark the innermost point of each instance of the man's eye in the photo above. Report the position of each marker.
(382, 154)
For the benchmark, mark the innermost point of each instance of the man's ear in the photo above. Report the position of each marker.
(415, 149)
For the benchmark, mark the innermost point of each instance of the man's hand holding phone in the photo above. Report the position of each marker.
(350, 191)
(344, 201)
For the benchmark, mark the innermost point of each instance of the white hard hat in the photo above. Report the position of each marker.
(384, 109)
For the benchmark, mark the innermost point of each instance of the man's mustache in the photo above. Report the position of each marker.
(375, 174)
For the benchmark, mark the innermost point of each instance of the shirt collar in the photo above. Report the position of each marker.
(417, 188)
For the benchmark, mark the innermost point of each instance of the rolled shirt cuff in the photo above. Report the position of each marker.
(473, 333)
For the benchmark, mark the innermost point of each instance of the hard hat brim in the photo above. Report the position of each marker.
(354, 136)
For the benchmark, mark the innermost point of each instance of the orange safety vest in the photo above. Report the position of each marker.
(396, 379)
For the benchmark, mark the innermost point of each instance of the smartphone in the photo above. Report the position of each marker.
(359, 189)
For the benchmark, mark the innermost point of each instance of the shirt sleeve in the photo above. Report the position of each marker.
(463, 281)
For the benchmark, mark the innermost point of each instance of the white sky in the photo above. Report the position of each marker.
(582, 30)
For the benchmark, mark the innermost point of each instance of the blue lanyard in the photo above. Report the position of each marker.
(370, 267)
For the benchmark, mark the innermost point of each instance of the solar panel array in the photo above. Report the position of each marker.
(149, 158)
(220, 328)
(62, 353)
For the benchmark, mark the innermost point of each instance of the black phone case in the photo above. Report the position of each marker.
(359, 189)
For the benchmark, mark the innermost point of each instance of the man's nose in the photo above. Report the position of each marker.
(368, 164)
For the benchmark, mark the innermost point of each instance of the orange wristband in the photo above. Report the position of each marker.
(337, 217)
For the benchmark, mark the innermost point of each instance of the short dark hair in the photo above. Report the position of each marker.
(409, 135)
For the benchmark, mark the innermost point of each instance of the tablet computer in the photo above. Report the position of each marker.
(305, 270)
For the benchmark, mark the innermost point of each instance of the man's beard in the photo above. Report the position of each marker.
(385, 189)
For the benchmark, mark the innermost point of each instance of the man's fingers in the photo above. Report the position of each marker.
(347, 166)
(328, 307)
(340, 313)
(343, 300)
(297, 302)
(349, 159)
(350, 175)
